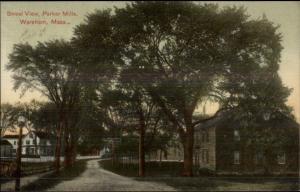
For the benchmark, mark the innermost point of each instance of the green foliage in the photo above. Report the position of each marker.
(56, 70)
(97, 48)
(46, 117)
(122, 106)
(9, 115)
(187, 53)
(205, 172)
(11, 112)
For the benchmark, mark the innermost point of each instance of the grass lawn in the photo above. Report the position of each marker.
(29, 168)
(169, 174)
(52, 179)
(152, 168)
(37, 164)
(227, 184)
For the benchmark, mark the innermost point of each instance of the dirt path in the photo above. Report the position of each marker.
(94, 178)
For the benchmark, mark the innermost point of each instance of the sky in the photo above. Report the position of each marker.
(285, 14)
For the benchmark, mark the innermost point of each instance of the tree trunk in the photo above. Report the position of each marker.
(142, 146)
(58, 147)
(160, 156)
(35, 146)
(68, 150)
(67, 161)
(73, 149)
(188, 152)
(19, 160)
(70, 153)
(113, 153)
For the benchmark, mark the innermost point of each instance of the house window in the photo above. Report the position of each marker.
(48, 152)
(205, 136)
(259, 156)
(42, 142)
(27, 142)
(205, 157)
(198, 137)
(266, 116)
(31, 151)
(27, 150)
(236, 157)
(281, 158)
(236, 135)
(15, 142)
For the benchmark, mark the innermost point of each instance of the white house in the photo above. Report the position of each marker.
(33, 143)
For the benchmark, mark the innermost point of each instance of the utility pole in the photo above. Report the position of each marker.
(21, 121)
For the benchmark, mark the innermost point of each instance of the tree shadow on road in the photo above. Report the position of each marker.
(52, 179)
(225, 184)
(185, 183)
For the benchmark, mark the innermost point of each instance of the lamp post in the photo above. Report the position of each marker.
(1, 123)
(21, 121)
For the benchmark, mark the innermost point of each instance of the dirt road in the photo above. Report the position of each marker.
(94, 178)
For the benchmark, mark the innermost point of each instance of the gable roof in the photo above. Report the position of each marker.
(227, 118)
(5, 142)
(219, 118)
(40, 134)
(11, 136)
(16, 131)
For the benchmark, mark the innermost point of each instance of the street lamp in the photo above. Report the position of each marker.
(21, 122)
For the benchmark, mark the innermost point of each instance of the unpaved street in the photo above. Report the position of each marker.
(94, 178)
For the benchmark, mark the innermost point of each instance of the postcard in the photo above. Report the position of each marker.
(150, 96)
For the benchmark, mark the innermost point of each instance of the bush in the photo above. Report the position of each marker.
(205, 172)
(30, 156)
(106, 155)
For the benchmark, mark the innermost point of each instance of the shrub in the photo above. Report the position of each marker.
(205, 171)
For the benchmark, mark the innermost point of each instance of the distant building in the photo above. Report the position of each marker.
(174, 152)
(5, 148)
(222, 146)
(34, 143)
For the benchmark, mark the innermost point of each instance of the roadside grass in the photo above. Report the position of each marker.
(152, 168)
(52, 179)
(227, 184)
(185, 183)
(169, 174)
(29, 168)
